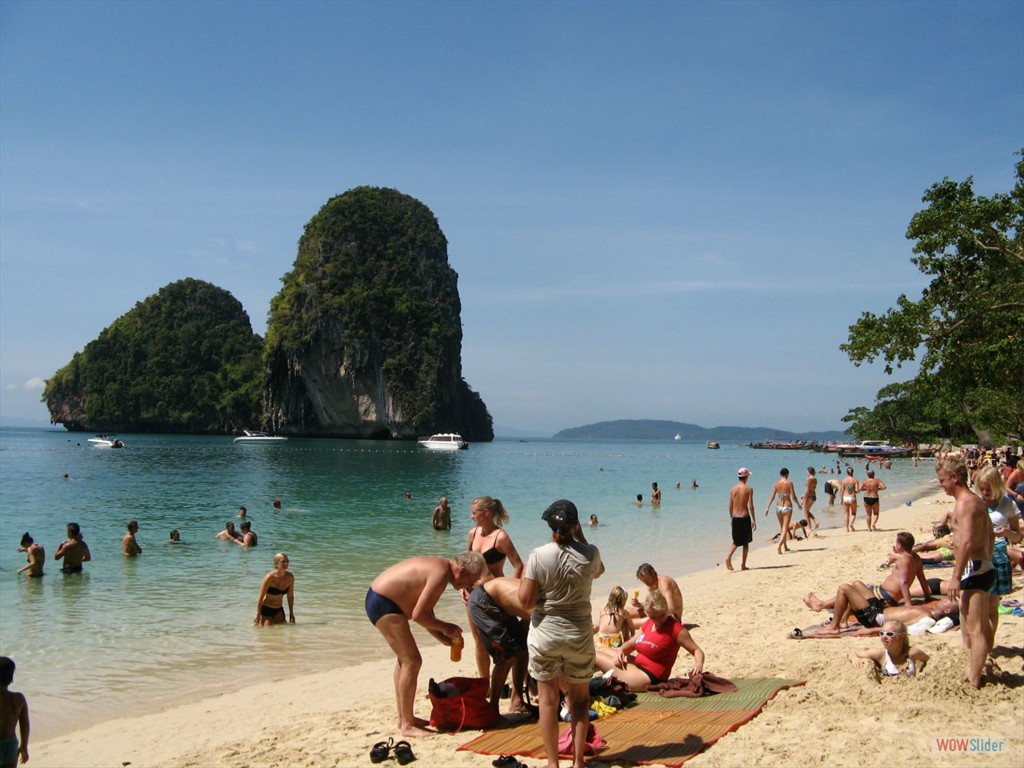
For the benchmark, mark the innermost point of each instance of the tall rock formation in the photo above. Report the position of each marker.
(365, 337)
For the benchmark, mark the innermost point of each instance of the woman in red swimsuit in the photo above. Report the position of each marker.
(656, 646)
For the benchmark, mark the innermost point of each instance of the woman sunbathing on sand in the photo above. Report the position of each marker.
(656, 645)
(895, 657)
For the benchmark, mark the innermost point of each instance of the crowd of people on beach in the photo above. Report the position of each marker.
(536, 623)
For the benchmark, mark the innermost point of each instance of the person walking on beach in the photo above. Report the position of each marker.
(442, 517)
(73, 550)
(742, 517)
(849, 486)
(409, 591)
(973, 572)
(556, 587)
(871, 488)
(35, 554)
(13, 714)
(786, 493)
(810, 496)
(129, 545)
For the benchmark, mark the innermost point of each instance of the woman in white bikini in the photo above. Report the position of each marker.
(895, 657)
(848, 487)
(786, 493)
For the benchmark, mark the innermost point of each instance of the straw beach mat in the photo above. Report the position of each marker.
(656, 730)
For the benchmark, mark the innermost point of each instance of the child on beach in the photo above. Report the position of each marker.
(895, 657)
(13, 712)
(614, 626)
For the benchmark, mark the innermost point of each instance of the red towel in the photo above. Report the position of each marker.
(701, 684)
(595, 742)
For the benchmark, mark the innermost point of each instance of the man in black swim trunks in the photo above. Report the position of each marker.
(73, 550)
(973, 573)
(408, 591)
(503, 624)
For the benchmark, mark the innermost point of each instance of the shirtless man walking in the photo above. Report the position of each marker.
(73, 550)
(744, 521)
(129, 545)
(408, 591)
(973, 572)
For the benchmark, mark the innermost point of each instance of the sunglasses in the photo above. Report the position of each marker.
(890, 634)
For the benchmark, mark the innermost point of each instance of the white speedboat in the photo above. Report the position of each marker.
(248, 436)
(446, 441)
(105, 441)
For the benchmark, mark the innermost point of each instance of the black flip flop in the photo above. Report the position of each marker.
(403, 753)
(380, 751)
(505, 761)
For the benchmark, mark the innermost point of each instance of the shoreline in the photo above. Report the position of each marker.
(741, 622)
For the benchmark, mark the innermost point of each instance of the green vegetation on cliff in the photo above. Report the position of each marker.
(370, 312)
(185, 359)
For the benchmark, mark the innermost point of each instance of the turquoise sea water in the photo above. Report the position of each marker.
(133, 636)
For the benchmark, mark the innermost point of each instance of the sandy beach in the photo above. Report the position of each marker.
(842, 716)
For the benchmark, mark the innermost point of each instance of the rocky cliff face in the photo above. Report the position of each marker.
(365, 336)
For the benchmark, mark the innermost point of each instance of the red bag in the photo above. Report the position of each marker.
(464, 708)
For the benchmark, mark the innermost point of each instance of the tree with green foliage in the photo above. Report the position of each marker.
(183, 360)
(968, 324)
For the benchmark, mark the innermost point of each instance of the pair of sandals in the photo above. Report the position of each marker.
(403, 751)
(508, 761)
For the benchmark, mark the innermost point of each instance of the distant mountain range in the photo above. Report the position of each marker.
(649, 429)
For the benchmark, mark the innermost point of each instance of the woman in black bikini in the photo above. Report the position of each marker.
(276, 584)
(493, 542)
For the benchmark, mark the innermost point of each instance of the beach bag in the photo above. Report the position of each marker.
(460, 703)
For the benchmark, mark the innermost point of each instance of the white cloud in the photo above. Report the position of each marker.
(34, 383)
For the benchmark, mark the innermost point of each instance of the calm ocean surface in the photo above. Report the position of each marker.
(135, 636)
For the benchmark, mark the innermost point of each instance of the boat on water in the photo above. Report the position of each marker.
(678, 437)
(444, 441)
(248, 436)
(105, 441)
(875, 448)
(713, 444)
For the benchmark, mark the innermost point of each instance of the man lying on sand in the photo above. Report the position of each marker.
(868, 603)
(409, 590)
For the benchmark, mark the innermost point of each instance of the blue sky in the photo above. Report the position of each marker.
(656, 210)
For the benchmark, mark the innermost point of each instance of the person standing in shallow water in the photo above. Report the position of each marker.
(742, 517)
(655, 495)
(36, 556)
(129, 544)
(73, 550)
(442, 518)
